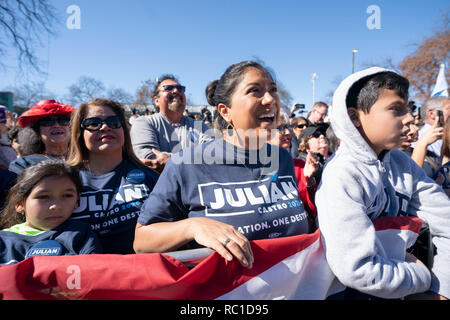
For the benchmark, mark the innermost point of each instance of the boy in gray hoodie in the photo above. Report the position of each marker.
(367, 179)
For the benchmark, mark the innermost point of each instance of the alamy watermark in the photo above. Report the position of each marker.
(73, 22)
(74, 280)
(256, 152)
(374, 20)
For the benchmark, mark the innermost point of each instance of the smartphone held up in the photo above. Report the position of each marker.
(440, 115)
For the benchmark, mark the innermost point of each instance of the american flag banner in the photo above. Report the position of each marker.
(284, 268)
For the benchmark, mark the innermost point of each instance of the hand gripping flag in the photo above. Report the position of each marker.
(441, 87)
(285, 268)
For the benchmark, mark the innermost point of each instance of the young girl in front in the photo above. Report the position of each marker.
(35, 220)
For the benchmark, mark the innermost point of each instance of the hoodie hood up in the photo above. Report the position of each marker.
(342, 125)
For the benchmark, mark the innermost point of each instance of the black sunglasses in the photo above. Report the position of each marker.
(94, 124)
(170, 87)
(48, 122)
(283, 127)
(301, 126)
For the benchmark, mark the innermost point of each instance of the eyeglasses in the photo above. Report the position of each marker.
(94, 124)
(170, 87)
(49, 122)
(301, 126)
(320, 113)
(283, 127)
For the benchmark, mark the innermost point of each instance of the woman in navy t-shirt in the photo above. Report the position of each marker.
(115, 182)
(237, 188)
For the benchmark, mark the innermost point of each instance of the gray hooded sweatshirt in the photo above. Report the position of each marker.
(357, 188)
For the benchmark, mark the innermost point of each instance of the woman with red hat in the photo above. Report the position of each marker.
(49, 121)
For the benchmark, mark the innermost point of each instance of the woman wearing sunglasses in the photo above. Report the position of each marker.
(47, 129)
(115, 182)
(282, 137)
(314, 140)
(298, 124)
(304, 169)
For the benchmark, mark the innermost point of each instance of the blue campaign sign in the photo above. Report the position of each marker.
(45, 248)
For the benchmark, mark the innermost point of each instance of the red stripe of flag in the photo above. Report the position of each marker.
(401, 222)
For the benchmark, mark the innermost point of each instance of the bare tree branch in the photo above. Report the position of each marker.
(422, 66)
(84, 90)
(26, 95)
(119, 95)
(386, 63)
(144, 94)
(23, 25)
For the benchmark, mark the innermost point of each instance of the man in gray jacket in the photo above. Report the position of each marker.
(157, 136)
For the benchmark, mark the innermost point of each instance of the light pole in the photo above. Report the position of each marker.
(313, 79)
(353, 59)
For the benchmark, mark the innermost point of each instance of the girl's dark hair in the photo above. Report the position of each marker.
(78, 152)
(365, 92)
(220, 91)
(27, 180)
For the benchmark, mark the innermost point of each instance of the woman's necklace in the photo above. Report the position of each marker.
(251, 171)
(258, 155)
(59, 156)
(242, 161)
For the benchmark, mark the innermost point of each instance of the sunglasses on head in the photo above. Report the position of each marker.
(48, 122)
(170, 87)
(94, 124)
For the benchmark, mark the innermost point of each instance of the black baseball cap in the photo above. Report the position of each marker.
(311, 130)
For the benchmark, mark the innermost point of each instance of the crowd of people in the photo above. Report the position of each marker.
(91, 180)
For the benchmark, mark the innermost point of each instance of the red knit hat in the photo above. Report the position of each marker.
(44, 108)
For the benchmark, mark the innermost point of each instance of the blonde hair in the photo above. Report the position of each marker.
(303, 146)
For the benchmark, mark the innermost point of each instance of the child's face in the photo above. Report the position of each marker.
(386, 126)
(50, 203)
